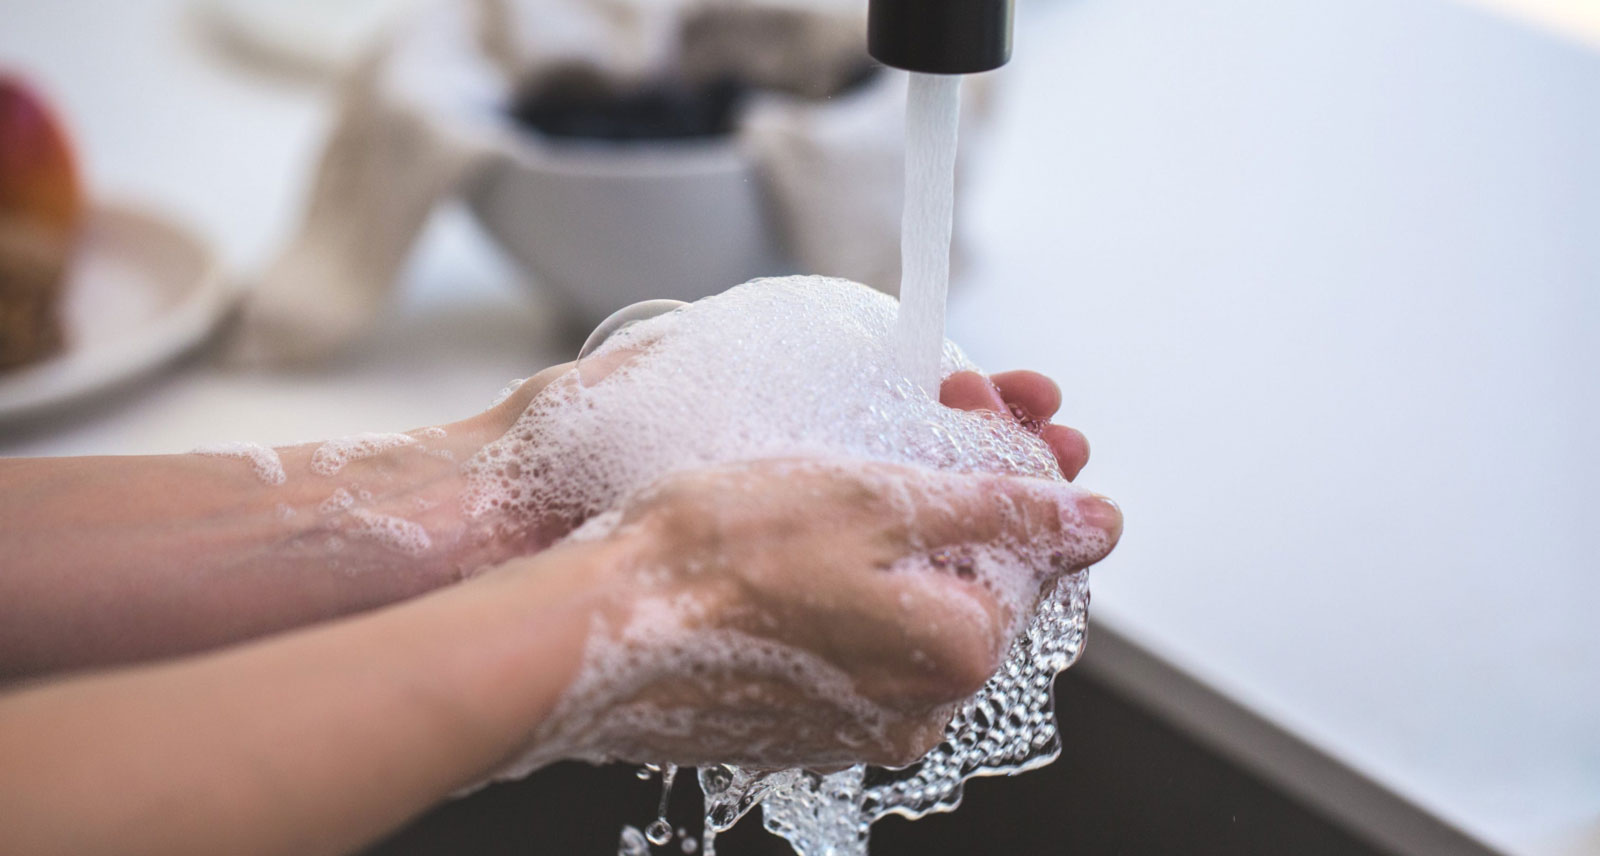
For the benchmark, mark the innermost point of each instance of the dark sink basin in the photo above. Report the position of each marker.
(1126, 783)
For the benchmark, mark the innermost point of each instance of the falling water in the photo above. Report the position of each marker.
(933, 108)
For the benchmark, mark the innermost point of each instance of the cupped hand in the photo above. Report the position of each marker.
(790, 612)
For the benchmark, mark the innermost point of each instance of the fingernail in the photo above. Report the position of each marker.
(1101, 513)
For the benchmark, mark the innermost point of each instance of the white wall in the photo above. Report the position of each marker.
(1322, 280)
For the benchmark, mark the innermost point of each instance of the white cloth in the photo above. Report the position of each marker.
(426, 109)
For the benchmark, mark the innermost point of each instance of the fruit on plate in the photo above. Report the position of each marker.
(41, 210)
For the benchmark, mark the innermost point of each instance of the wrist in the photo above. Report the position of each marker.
(356, 522)
(532, 620)
(381, 506)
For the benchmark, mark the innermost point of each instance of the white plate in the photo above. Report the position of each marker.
(140, 292)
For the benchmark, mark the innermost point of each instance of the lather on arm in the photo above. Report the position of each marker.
(122, 559)
(322, 740)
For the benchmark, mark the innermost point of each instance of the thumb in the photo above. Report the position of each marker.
(967, 509)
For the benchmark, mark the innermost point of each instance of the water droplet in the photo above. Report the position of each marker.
(632, 843)
(715, 780)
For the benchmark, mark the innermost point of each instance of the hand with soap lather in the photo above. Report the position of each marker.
(793, 598)
(323, 739)
(792, 554)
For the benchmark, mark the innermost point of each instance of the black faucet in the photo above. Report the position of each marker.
(940, 36)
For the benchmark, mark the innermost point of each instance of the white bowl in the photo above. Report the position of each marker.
(602, 225)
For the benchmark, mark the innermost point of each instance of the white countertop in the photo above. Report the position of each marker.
(1321, 279)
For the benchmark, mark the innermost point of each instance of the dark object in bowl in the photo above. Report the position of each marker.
(665, 110)
(578, 103)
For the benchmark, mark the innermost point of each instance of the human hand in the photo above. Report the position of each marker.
(790, 612)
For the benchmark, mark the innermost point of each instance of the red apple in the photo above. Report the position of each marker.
(41, 207)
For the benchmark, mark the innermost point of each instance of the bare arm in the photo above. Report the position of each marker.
(311, 742)
(121, 559)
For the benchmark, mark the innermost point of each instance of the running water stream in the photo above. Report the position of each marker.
(933, 111)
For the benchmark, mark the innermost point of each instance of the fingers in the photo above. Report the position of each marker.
(971, 391)
(504, 414)
(963, 509)
(1085, 526)
(1035, 395)
(1071, 448)
(1027, 396)
(590, 371)
(1105, 516)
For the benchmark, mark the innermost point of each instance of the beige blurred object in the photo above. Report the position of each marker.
(318, 38)
(424, 118)
(405, 137)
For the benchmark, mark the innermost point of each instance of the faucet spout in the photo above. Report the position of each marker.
(940, 36)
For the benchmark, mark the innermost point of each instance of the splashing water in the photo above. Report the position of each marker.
(632, 843)
(933, 110)
(659, 832)
(1009, 726)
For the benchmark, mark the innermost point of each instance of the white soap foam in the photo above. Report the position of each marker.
(332, 456)
(336, 502)
(800, 368)
(785, 367)
(265, 460)
(599, 720)
(395, 533)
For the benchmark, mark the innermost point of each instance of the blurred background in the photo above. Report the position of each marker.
(1320, 280)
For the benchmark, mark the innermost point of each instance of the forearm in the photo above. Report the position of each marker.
(313, 742)
(110, 560)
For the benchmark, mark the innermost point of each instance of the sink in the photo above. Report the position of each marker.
(1127, 783)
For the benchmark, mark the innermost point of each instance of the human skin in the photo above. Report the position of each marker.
(320, 740)
(124, 559)
(112, 560)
